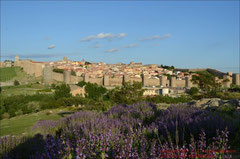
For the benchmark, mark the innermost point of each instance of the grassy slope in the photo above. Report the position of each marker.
(8, 73)
(29, 89)
(16, 73)
(22, 124)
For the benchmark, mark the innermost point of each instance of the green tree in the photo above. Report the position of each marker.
(16, 83)
(87, 63)
(127, 94)
(93, 91)
(81, 84)
(53, 86)
(58, 70)
(73, 73)
(193, 91)
(62, 91)
(206, 83)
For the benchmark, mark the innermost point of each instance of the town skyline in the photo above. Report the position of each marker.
(182, 34)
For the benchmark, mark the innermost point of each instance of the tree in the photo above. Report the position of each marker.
(58, 70)
(93, 91)
(193, 91)
(81, 84)
(53, 86)
(62, 91)
(167, 67)
(16, 83)
(73, 73)
(87, 63)
(127, 94)
(206, 83)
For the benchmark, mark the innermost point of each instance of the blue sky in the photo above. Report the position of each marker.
(185, 34)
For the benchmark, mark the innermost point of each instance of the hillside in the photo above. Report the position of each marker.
(8, 73)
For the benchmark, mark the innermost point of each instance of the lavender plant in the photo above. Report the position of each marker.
(132, 131)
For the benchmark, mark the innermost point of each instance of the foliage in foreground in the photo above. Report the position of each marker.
(130, 131)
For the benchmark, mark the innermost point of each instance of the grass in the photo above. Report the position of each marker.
(21, 124)
(29, 89)
(17, 73)
(8, 73)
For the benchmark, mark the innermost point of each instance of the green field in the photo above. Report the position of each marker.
(22, 124)
(8, 73)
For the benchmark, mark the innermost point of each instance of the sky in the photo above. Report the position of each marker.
(185, 34)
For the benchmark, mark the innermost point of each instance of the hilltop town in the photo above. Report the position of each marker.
(155, 79)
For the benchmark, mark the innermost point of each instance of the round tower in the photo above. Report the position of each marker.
(188, 82)
(228, 81)
(106, 80)
(173, 81)
(145, 80)
(236, 79)
(163, 81)
(67, 76)
(86, 77)
(47, 74)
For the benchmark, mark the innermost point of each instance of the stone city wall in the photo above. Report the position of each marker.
(36, 69)
(180, 83)
(31, 68)
(115, 81)
(98, 81)
(58, 77)
(126, 78)
(151, 82)
(76, 79)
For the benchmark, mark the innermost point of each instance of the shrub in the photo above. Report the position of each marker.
(11, 112)
(16, 83)
(5, 115)
(193, 91)
(167, 99)
(228, 109)
(34, 106)
(19, 112)
(53, 86)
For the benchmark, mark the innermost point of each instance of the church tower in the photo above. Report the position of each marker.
(16, 60)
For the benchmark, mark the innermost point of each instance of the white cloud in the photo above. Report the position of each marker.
(122, 35)
(131, 45)
(112, 50)
(104, 36)
(96, 46)
(51, 46)
(157, 37)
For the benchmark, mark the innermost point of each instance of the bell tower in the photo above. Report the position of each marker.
(16, 60)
